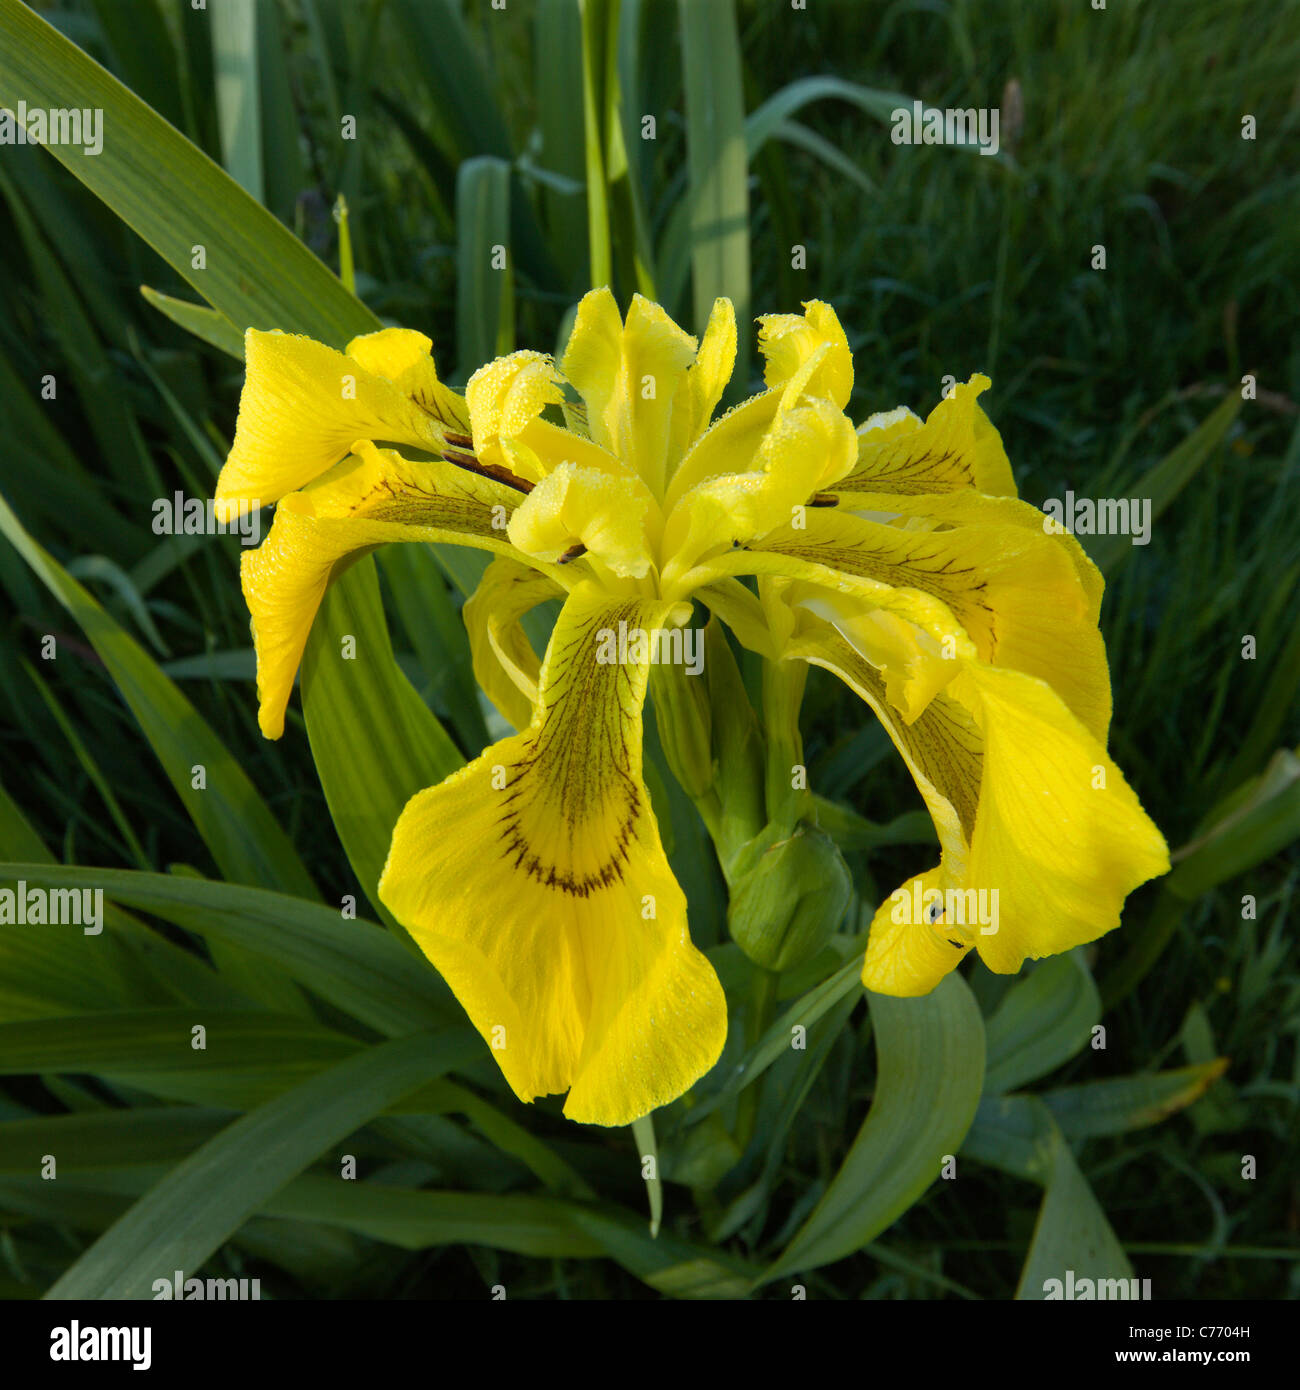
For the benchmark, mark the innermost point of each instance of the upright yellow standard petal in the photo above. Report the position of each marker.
(628, 374)
(808, 363)
(706, 379)
(788, 341)
(535, 881)
(803, 449)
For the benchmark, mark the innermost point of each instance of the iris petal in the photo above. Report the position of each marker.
(373, 497)
(957, 447)
(303, 405)
(535, 881)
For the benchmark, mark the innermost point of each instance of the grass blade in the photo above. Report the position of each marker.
(204, 1200)
(718, 163)
(244, 838)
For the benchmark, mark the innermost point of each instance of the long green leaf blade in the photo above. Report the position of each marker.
(930, 1070)
(245, 840)
(253, 269)
(205, 1199)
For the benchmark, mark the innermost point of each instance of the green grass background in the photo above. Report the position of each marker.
(938, 262)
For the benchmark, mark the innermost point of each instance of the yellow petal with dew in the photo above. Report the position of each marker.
(405, 358)
(629, 375)
(705, 381)
(504, 398)
(302, 406)
(574, 508)
(957, 447)
(808, 361)
(802, 450)
(788, 341)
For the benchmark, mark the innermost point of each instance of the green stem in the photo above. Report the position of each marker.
(783, 687)
(758, 1019)
(595, 30)
(347, 271)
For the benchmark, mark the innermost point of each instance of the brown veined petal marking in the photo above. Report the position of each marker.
(535, 881)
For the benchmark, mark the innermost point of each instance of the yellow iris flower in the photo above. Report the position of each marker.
(895, 555)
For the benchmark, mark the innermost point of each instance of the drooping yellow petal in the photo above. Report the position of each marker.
(942, 746)
(922, 650)
(372, 497)
(405, 358)
(1060, 834)
(505, 664)
(909, 949)
(304, 404)
(1041, 837)
(629, 375)
(976, 509)
(1014, 590)
(535, 881)
(957, 447)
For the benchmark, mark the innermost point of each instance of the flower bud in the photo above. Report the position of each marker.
(790, 897)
